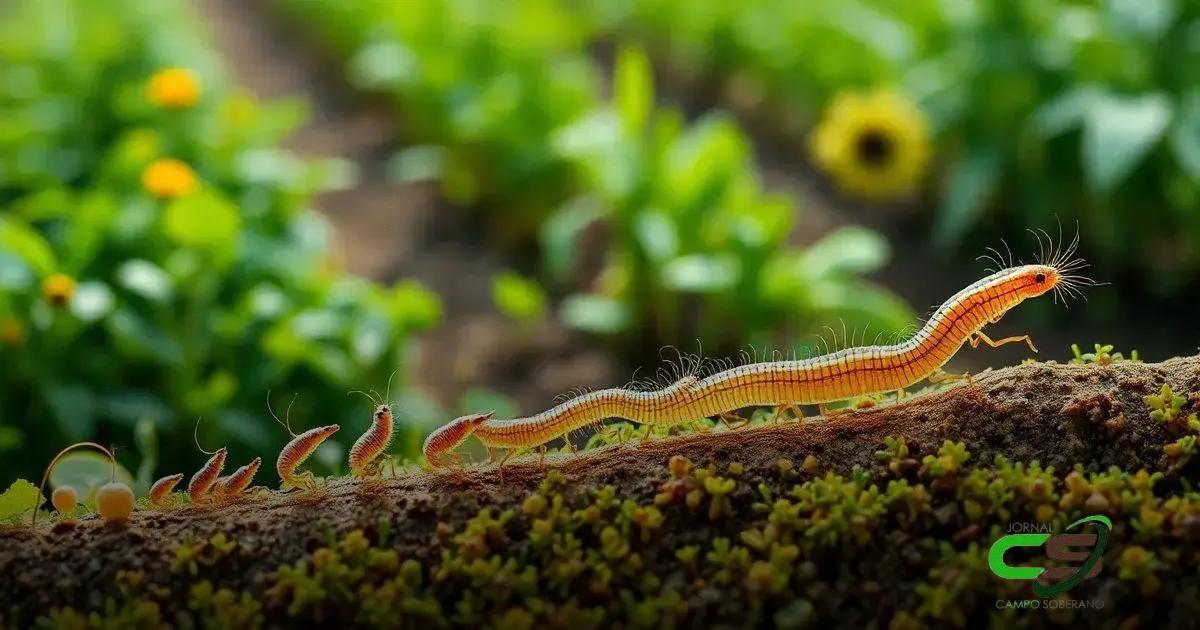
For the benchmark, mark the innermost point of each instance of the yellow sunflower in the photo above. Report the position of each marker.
(169, 178)
(173, 88)
(874, 145)
(58, 289)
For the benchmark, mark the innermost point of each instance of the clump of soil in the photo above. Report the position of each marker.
(671, 494)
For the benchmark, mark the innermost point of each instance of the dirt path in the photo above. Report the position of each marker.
(1059, 415)
(386, 230)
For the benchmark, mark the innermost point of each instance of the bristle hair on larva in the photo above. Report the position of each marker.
(838, 374)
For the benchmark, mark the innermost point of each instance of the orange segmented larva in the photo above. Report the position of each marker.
(160, 492)
(373, 443)
(450, 435)
(299, 449)
(232, 486)
(200, 486)
(837, 376)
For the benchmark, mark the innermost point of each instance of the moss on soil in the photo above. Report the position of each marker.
(878, 517)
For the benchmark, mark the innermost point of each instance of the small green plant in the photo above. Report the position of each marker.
(1102, 355)
(1167, 407)
(157, 255)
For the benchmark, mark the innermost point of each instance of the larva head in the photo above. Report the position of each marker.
(383, 413)
(447, 437)
(1033, 280)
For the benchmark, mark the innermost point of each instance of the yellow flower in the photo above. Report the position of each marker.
(58, 289)
(169, 178)
(874, 145)
(175, 88)
(13, 333)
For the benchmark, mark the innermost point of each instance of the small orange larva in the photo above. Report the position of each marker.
(161, 494)
(299, 449)
(372, 443)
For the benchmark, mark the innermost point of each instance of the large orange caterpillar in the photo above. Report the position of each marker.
(837, 376)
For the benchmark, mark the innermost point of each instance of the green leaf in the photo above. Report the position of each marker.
(518, 297)
(418, 163)
(21, 497)
(633, 88)
(1185, 136)
(595, 314)
(86, 471)
(92, 301)
(656, 235)
(1065, 112)
(1118, 133)
(965, 196)
(480, 400)
(27, 244)
(204, 220)
(702, 273)
(74, 408)
(846, 251)
(1147, 19)
(146, 279)
(560, 231)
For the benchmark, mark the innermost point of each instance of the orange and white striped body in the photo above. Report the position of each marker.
(201, 484)
(232, 486)
(373, 443)
(159, 495)
(298, 450)
(832, 377)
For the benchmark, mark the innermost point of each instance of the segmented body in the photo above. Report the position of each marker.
(201, 483)
(233, 485)
(450, 436)
(837, 376)
(373, 443)
(298, 450)
(162, 488)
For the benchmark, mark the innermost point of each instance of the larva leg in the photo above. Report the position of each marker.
(979, 336)
(258, 493)
(542, 456)
(829, 413)
(500, 467)
(945, 377)
(697, 428)
(732, 421)
(899, 394)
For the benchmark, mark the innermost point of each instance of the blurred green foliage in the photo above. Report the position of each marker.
(504, 102)
(158, 261)
(1084, 109)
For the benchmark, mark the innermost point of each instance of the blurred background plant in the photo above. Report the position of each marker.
(158, 261)
(1082, 110)
(505, 100)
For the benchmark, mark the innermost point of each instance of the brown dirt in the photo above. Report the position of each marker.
(1052, 413)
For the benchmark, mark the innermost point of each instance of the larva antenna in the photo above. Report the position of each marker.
(287, 425)
(388, 396)
(196, 438)
(46, 475)
(373, 397)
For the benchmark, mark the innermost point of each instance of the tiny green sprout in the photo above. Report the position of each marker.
(1102, 355)
(1167, 407)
